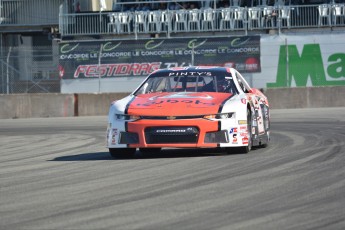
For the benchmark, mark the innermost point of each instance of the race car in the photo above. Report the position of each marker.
(189, 107)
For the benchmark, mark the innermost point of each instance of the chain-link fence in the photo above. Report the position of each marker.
(26, 69)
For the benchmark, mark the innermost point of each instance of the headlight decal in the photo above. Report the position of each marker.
(220, 116)
(126, 117)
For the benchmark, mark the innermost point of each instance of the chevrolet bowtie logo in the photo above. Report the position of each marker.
(171, 118)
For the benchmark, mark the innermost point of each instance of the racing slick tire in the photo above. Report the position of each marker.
(264, 145)
(122, 152)
(150, 150)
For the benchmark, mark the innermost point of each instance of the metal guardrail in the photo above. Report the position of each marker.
(29, 13)
(203, 20)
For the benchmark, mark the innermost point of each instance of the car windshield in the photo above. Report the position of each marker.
(188, 82)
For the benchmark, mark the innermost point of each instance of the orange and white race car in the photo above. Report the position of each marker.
(189, 107)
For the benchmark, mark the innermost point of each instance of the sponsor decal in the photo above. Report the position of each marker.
(239, 42)
(108, 131)
(243, 129)
(245, 140)
(109, 46)
(182, 130)
(196, 104)
(252, 64)
(66, 48)
(243, 100)
(113, 136)
(150, 46)
(259, 119)
(175, 101)
(244, 134)
(242, 122)
(243, 50)
(233, 130)
(171, 131)
(193, 44)
(234, 139)
(190, 73)
(108, 70)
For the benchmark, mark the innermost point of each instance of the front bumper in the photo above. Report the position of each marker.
(189, 133)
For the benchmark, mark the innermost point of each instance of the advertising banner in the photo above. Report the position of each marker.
(110, 59)
(301, 61)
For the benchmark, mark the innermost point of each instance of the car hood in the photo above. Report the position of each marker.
(177, 103)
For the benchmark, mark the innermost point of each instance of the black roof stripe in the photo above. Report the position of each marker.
(223, 103)
(128, 104)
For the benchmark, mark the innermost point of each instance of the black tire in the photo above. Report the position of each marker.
(246, 149)
(263, 145)
(150, 150)
(122, 152)
(267, 141)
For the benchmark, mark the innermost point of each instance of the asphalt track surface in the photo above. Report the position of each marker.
(55, 173)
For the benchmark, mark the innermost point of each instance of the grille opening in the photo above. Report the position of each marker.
(171, 135)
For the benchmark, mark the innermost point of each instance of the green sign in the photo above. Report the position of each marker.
(308, 65)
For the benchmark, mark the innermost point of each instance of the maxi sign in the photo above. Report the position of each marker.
(297, 68)
(108, 59)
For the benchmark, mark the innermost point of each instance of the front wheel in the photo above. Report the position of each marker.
(122, 152)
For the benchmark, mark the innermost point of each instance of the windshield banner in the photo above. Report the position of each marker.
(108, 59)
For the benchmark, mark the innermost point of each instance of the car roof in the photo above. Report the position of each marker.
(196, 68)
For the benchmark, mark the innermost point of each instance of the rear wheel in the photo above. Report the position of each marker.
(122, 152)
(267, 141)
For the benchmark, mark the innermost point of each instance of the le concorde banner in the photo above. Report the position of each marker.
(108, 59)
